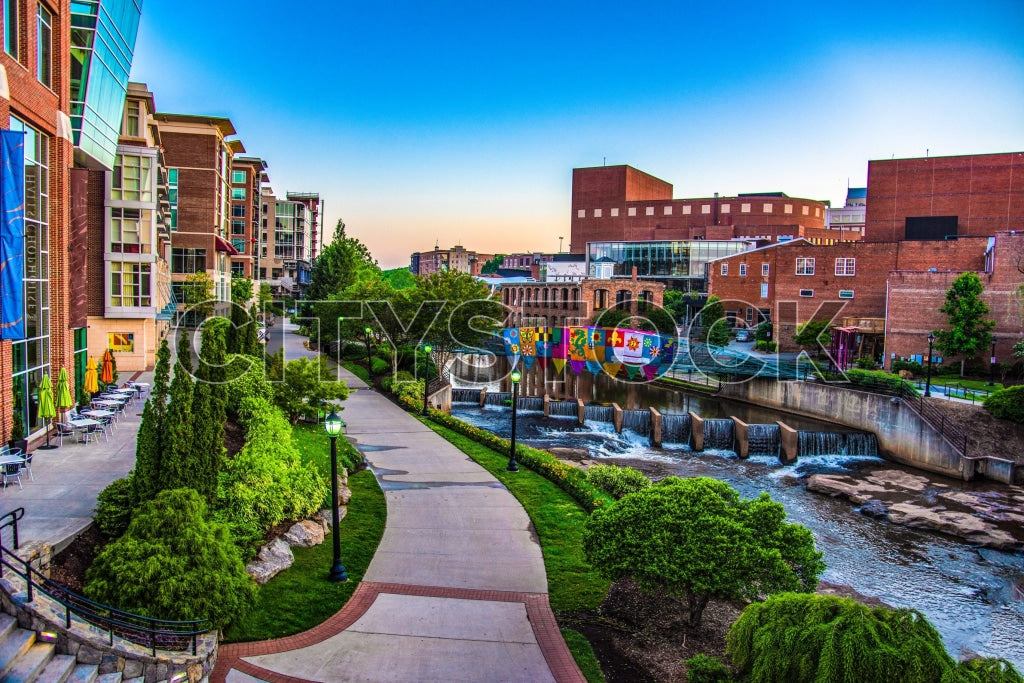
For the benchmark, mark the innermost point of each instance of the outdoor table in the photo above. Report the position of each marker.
(98, 413)
(10, 459)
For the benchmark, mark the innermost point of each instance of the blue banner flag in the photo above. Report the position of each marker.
(12, 234)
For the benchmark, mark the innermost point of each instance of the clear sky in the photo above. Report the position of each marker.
(460, 122)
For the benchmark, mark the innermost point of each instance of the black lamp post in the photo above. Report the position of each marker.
(512, 466)
(992, 365)
(369, 360)
(333, 426)
(928, 383)
(426, 383)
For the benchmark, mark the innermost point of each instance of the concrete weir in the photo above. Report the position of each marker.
(697, 431)
(741, 434)
(788, 437)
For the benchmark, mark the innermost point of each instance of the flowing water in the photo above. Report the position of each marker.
(974, 597)
(718, 434)
(766, 440)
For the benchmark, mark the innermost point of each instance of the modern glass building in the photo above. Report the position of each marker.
(102, 45)
(684, 261)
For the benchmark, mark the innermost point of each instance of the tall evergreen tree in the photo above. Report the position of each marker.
(209, 411)
(178, 463)
(251, 344)
(148, 446)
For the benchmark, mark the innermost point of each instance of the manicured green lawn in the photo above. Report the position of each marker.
(315, 446)
(357, 370)
(572, 584)
(584, 655)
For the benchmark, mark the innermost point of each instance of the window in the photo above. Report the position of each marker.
(668, 210)
(130, 284)
(845, 293)
(129, 231)
(239, 244)
(750, 315)
(743, 270)
(725, 269)
(806, 292)
(650, 211)
(580, 213)
(131, 180)
(44, 46)
(237, 193)
(12, 12)
(188, 260)
(172, 196)
(846, 266)
(238, 177)
(805, 266)
(597, 213)
(745, 208)
(765, 269)
(686, 210)
(615, 212)
(726, 208)
(764, 290)
(238, 210)
(705, 208)
(237, 269)
(787, 208)
(631, 211)
(767, 208)
(131, 119)
(237, 227)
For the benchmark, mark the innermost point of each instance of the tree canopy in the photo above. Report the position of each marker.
(970, 331)
(491, 265)
(697, 538)
(341, 262)
(715, 324)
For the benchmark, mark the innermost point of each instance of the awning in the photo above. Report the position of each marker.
(225, 246)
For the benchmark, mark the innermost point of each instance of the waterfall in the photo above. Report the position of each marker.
(718, 435)
(562, 409)
(532, 403)
(498, 398)
(637, 421)
(596, 413)
(836, 443)
(675, 428)
(765, 439)
(465, 395)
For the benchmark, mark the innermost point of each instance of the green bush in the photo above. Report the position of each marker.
(250, 384)
(909, 366)
(266, 482)
(866, 363)
(1007, 404)
(874, 378)
(705, 669)
(114, 507)
(172, 563)
(380, 366)
(792, 638)
(618, 481)
(764, 331)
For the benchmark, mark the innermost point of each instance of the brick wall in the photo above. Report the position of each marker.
(576, 303)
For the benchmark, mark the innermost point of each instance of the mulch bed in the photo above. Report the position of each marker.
(234, 438)
(69, 566)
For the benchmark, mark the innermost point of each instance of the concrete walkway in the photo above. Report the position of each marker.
(456, 591)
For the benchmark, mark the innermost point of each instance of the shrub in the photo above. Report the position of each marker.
(908, 365)
(866, 363)
(704, 669)
(696, 539)
(250, 384)
(172, 563)
(875, 379)
(618, 481)
(791, 638)
(114, 507)
(764, 331)
(305, 387)
(1007, 404)
(380, 366)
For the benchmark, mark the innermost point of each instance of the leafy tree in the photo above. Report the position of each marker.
(970, 331)
(241, 290)
(172, 563)
(114, 506)
(1018, 349)
(792, 638)
(341, 262)
(303, 386)
(198, 296)
(696, 539)
(399, 278)
(812, 333)
(714, 322)
(674, 302)
(150, 444)
(764, 331)
(491, 265)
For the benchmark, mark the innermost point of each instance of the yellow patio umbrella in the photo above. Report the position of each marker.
(47, 409)
(92, 383)
(107, 373)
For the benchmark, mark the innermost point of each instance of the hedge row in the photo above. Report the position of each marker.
(570, 479)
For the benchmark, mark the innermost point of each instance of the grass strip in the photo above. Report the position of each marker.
(573, 585)
(584, 655)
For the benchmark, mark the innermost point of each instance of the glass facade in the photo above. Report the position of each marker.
(662, 259)
(102, 45)
(31, 355)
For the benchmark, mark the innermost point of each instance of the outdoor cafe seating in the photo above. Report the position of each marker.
(11, 465)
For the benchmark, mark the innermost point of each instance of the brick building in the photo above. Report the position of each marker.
(247, 175)
(285, 262)
(621, 203)
(569, 303)
(935, 198)
(457, 258)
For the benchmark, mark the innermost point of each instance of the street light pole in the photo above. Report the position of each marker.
(512, 466)
(928, 383)
(992, 365)
(333, 427)
(369, 360)
(426, 382)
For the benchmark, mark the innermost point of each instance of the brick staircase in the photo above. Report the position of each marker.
(24, 659)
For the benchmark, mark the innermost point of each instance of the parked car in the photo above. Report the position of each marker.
(743, 335)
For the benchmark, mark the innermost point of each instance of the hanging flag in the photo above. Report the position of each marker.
(544, 346)
(12, 235)
(528, 341)
(594, 367)
(632, 350)
(612, 368)
(577, 348)
(595, 345)
(510, 335)
(577, 365)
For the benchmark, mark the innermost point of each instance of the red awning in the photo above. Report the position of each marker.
(224, 245)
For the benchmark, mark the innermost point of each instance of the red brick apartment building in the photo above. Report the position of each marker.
(621, 203)
(35, 98)
(938, 197)
(247, 174)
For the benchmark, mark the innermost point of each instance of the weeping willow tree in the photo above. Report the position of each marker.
(796, 637)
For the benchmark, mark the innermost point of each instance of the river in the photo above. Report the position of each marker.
(973, 596)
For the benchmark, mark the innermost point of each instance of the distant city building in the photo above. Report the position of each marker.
(457, 258)
(936, 198)
(680, 264)
(313, 203)
(285, 262)
(849, 220)
(575, 303)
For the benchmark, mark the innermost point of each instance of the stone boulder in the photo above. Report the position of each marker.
(857, 491)
(967, 526)
(273, 559)
(326, 520)
(305, 534)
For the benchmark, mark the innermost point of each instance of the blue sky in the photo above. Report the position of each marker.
(461, 122)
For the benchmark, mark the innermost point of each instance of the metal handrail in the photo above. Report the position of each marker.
(136, 628)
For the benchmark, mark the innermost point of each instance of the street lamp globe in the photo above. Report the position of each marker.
(516, 376)
(332, 424)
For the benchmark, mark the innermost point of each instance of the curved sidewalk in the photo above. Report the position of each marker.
(456, 591)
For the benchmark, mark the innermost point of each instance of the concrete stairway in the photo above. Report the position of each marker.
(23, 659)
